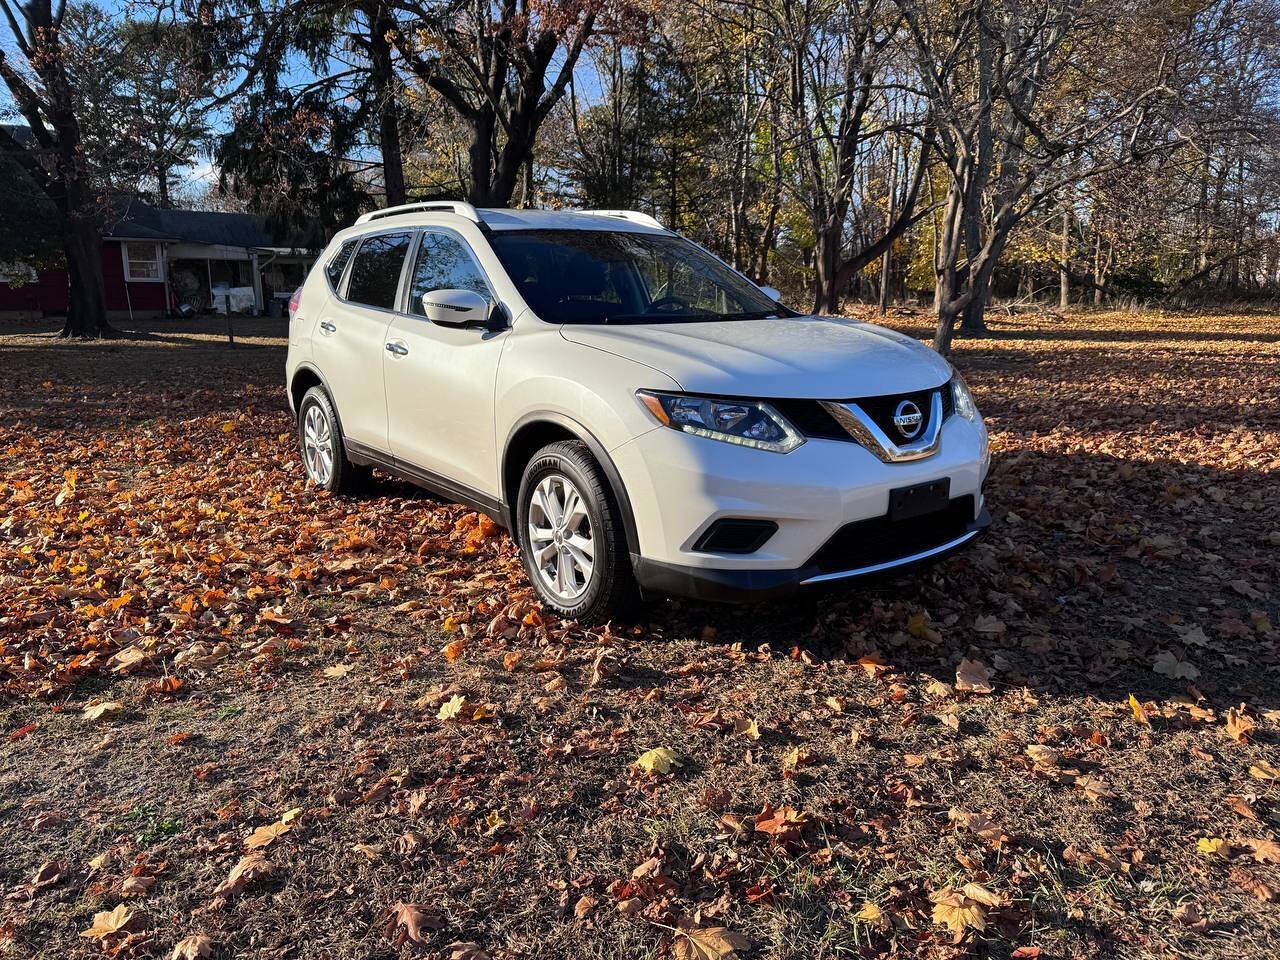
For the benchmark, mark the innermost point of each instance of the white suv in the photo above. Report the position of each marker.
(636, 412)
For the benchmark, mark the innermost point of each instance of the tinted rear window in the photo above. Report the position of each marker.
(375, 275)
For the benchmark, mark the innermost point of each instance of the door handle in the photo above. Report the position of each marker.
(327, 327)
(399, 349)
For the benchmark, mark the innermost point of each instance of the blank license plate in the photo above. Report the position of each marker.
(908, 502)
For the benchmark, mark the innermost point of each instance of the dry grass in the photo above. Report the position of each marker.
(1135, 499)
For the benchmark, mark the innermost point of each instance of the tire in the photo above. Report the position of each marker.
(554, 547)
(324, 457)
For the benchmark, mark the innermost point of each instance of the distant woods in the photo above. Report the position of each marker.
(944, 152)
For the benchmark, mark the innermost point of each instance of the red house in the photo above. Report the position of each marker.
(153, 260)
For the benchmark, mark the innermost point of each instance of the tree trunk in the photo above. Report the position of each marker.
(826, 258)
(86, 303)
(381, 24)
(480, 154)
(1064, 277)
(162, 180)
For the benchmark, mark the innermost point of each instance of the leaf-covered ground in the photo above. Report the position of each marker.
(238, 719)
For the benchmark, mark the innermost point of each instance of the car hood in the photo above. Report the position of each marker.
(818, 358)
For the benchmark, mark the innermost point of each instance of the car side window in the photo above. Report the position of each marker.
(444, 263)
(375, 274)
(338, 262)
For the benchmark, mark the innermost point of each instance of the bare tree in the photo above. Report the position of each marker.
(43, 89)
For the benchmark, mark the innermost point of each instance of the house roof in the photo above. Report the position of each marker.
(138, 220)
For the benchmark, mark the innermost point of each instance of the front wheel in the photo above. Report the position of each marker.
(571, 535)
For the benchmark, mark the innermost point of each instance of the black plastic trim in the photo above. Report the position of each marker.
(764, 529)
(459, 493)
(746, 586)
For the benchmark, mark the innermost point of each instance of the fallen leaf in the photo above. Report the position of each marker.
(1139, 711)
(264, 836)
(992, 626)
(1251, 885)
(1166, 664)
(195, 947)
(956, 912)
(407, 921)
(748, 728)
(337, 671)
(453, 708)
(249, 869)
(1214, 847)
(99, 711)
(107, 923)
(1239, 725)
(709, 943)
(973, 676)
(658, 760)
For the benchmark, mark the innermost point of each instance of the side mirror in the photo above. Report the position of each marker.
(456, 308)
(772, 293)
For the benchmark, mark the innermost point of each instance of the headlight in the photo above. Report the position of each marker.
(748, 423)
(963, 398)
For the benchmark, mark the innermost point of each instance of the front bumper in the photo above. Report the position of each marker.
(681, 485)
(710, 583)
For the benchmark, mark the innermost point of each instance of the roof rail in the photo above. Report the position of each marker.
(635, 216)
(449, 206)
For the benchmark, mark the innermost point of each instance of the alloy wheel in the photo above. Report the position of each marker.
(317, 445)
(560, 537)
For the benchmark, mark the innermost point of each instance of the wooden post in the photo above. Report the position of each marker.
(231, 333)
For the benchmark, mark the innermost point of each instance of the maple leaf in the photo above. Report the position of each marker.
(195, 947)
(709, 943)
(1265, 851)
(973, 676)
(453, 708)
(107, 923)
(1214, 847)
(748, 728)
(1239, 725)
(1168, 665)
(658, 760)
(955, 911)
(337, 671)
(250, 868)
(784, 824)
(264, 836)
(1252, 885)
(98, 711)
(136, 886)
(454, 649)
(406, 922)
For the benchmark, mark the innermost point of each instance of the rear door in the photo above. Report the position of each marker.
(440, 379)
(348, 343)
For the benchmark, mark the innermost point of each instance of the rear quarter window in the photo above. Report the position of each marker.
(338, 262)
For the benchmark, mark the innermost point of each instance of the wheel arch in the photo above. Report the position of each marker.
(304, 378)
(534, 431)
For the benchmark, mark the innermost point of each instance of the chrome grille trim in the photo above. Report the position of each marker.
(855, 422)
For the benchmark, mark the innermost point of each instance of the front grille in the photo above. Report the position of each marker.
(865, 543)
(881, 409)
(812, 419)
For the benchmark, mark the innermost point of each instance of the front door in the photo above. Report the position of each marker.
(440, 379)
(349, 341)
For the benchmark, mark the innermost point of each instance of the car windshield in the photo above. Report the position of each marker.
(606, 276)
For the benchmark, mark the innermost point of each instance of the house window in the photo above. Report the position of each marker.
(142, 261)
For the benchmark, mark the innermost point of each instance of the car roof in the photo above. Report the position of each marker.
(442, 212)
(505, 219)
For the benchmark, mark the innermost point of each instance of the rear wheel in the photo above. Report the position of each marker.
(320, 439)
(571, 535)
